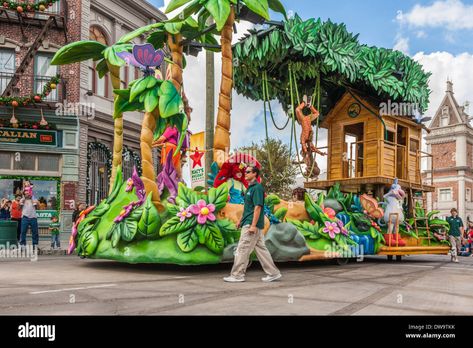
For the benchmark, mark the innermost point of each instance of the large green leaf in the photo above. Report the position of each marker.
(315, 212)
(150, 221)
(277, 6)
(110, 53)
(170, 101)
(78, 52)
(174, 225)
(259, 7)
(129, 230)
(151, 100)
(138, 87)
(219, 196)
(229, 230)
(116, 234)
(214, 239)
(220, 10)
(138, 32)
(185, 196)
(174, 4)
(89, 242)
(183, 132)
(116, 186)
(188, 240)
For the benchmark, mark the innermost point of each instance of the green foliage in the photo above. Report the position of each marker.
(230, 232)
(186, 196)
(308, 230)
(174, 225)
(313, 47)
(283, 174)
(280, 214)
(150, 221)
(218, 196)
(78, 52)
(116, 186)
(170, 102)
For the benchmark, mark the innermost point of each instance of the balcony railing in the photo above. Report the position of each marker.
(34, 84)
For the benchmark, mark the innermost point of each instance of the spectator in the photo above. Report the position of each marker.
(54, 229)
(16, 214)
(29, 218)
(456, 234)
(5, 209)
(79, 208)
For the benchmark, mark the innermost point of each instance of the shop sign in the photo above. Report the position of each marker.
(28, 136)
(45, 214)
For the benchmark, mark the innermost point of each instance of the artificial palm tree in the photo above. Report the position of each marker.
(223, 13)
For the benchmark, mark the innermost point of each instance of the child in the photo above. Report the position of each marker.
(27, 188)
(54, 229)
(5, 209)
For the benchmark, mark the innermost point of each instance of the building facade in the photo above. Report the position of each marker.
(36, 142)
(75, 165)
(451, 144)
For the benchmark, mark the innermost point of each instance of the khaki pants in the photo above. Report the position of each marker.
(249, 242)
(456, 243)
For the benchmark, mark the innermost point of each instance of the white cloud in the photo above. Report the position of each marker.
(443, 66)
(421, 34)
(449, 14)
(402, 44)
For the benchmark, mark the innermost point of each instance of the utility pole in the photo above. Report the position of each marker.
(209, 107)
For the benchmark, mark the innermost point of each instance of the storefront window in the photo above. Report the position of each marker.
(45, 191)
(7, 188)
(25, 161)
(5, 160)
(48, 163)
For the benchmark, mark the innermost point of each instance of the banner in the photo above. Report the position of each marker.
(197, 160)
(28, 136)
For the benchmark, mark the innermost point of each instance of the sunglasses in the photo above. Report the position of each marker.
(248, 171)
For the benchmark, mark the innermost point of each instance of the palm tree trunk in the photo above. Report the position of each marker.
(117, 127)
(222, 129)
(176, 54)
(146, 140)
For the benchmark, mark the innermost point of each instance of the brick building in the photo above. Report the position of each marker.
(451, 145)
(75, 166)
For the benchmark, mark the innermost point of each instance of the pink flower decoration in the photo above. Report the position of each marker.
(203, 211)
(330, 213)
(184, 214)
(332, 229)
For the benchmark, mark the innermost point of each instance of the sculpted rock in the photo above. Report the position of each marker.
(286, 243)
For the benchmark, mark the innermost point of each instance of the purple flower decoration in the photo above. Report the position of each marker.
(342, 227)
(144, 57)
(332, 229)
(203, 211)
(184, 214)
(168, 179)
(136, 182)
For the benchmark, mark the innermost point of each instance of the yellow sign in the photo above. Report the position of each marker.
(197, 159)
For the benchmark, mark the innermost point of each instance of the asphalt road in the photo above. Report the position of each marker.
(418, 285)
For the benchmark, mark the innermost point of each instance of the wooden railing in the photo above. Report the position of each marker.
(383, 160)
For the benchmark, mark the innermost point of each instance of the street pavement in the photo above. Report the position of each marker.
(64, 285)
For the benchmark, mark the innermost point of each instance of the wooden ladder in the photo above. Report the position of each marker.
(28, 58)
(414, 200)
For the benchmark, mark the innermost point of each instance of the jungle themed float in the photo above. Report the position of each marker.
(156, 218)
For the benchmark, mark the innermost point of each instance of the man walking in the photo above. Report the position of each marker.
(252, 223)
(455, 234)
(29, 218)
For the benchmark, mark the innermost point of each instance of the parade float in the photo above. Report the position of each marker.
(156, 218)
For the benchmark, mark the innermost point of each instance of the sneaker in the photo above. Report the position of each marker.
(455, 261)
(233, 279)
(270, 278)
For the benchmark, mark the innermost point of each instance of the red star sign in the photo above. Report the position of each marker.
(196, 158)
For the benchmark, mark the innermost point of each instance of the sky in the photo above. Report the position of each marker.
(438, 34)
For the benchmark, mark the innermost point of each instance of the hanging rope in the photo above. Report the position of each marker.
(266, 129)
(267, 99)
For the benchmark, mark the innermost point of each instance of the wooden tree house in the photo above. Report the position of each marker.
(367, 151)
